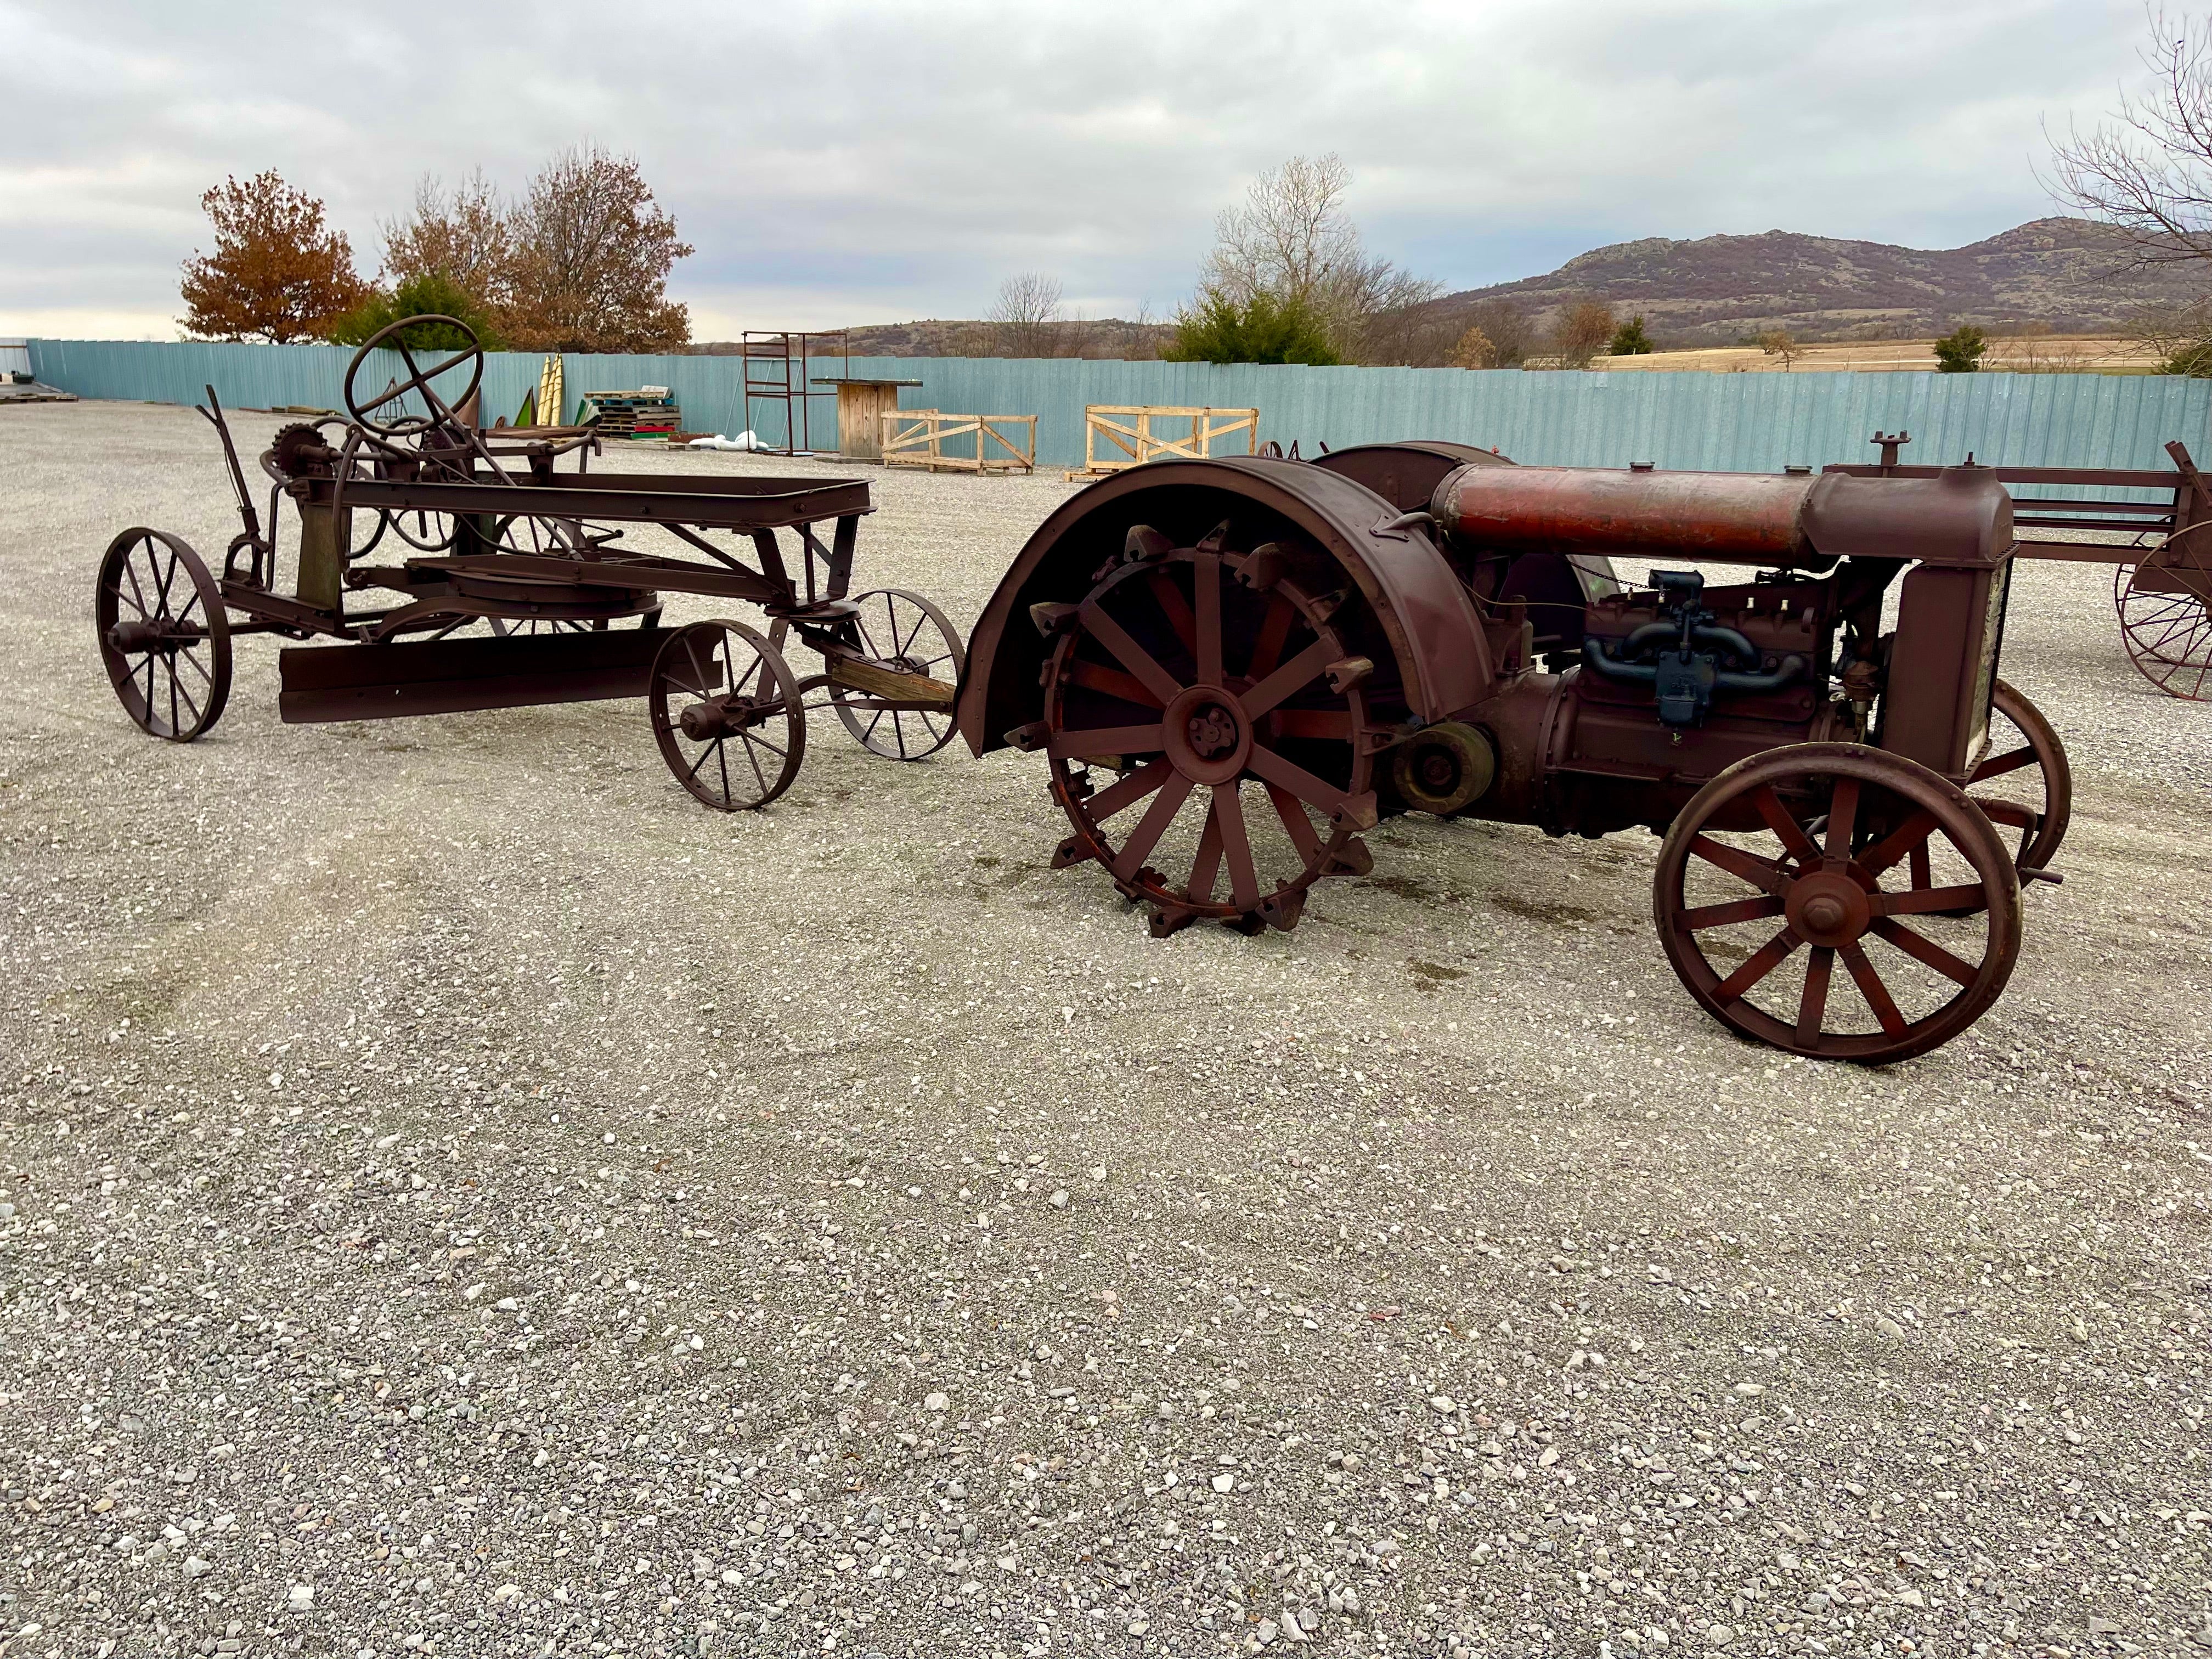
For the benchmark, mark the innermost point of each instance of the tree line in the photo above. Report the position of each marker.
(1290, 280)
(578, 262)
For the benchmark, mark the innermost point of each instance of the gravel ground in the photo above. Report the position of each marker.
(457, 1195)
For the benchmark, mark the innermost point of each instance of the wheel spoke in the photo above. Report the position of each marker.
(1107, 681)
(722, 760)
(1176, 609)
(1152, 825)
(1923, 948)
(1703, 916)
(1133, 656)
(1791, 834)
(1229, 813)
(1871, 988)
(1923, 901)
(1104, 740)
(1917, 866)
(1275, 629)
(1299, 827)
(1299, 671)
(1996, 765)
(1750, 866)
(1127, 791)
(1913, 832)
(1272, 768)
(754, 760)
(1756, 967)
(1205, 595)
(1842, 817)
(1813, 1006)
(130, 569)
(704, 688)
(713, 743)
(1207, 865)
(176, 690)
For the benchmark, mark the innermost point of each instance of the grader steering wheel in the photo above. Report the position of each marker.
(419, 380)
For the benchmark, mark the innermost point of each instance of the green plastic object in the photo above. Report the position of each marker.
(527, 415)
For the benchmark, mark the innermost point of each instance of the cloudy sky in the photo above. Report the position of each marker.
(852, 162)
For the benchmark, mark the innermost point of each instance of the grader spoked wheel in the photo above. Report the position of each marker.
(1796, 942)
(164, 636)
(726, 715)
(1195, 739)
(905, 631)
(2166, 615)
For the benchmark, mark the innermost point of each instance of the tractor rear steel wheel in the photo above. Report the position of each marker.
(164, 634)
(1204, 732)
(1757, 915)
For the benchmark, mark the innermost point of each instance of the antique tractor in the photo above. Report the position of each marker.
(1233, 668)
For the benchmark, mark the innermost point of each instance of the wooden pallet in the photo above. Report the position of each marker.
(1134, 436)
(917, 437)
(634, 414)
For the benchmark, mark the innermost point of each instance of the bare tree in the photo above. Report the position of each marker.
(1781, 343)
(1025, 315)
(593, 252)
(2148, 171)
(1582, 332)
(1292, 240)
(466, 237)
(1507, 327)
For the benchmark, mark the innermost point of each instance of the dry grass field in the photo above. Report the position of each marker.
(2031, 354)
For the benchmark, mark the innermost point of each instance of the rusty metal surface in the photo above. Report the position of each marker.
(1738, 518)
(1231, 670)
(505, 538)
(1427, 621)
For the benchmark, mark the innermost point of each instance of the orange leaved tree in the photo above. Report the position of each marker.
(277, 272)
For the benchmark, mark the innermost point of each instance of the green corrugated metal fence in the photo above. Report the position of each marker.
(1735, 422)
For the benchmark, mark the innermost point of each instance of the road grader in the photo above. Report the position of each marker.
(1233, 669)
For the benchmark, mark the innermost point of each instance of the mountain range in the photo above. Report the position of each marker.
(2071, 275)
(2063, 276)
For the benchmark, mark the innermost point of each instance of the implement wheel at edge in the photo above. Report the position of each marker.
(164, 634)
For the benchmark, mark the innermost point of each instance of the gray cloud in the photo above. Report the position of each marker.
(841, 162)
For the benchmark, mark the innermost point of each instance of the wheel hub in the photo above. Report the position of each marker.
(702, 722)
(1827, 909)
(1207, 734)
(132, 637)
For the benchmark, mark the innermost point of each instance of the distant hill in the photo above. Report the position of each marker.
(2068, 274)
(932, 337)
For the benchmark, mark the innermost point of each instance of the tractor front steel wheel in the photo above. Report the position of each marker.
(1756, 912)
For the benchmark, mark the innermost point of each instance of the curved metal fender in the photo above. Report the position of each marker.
(1444, 659)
